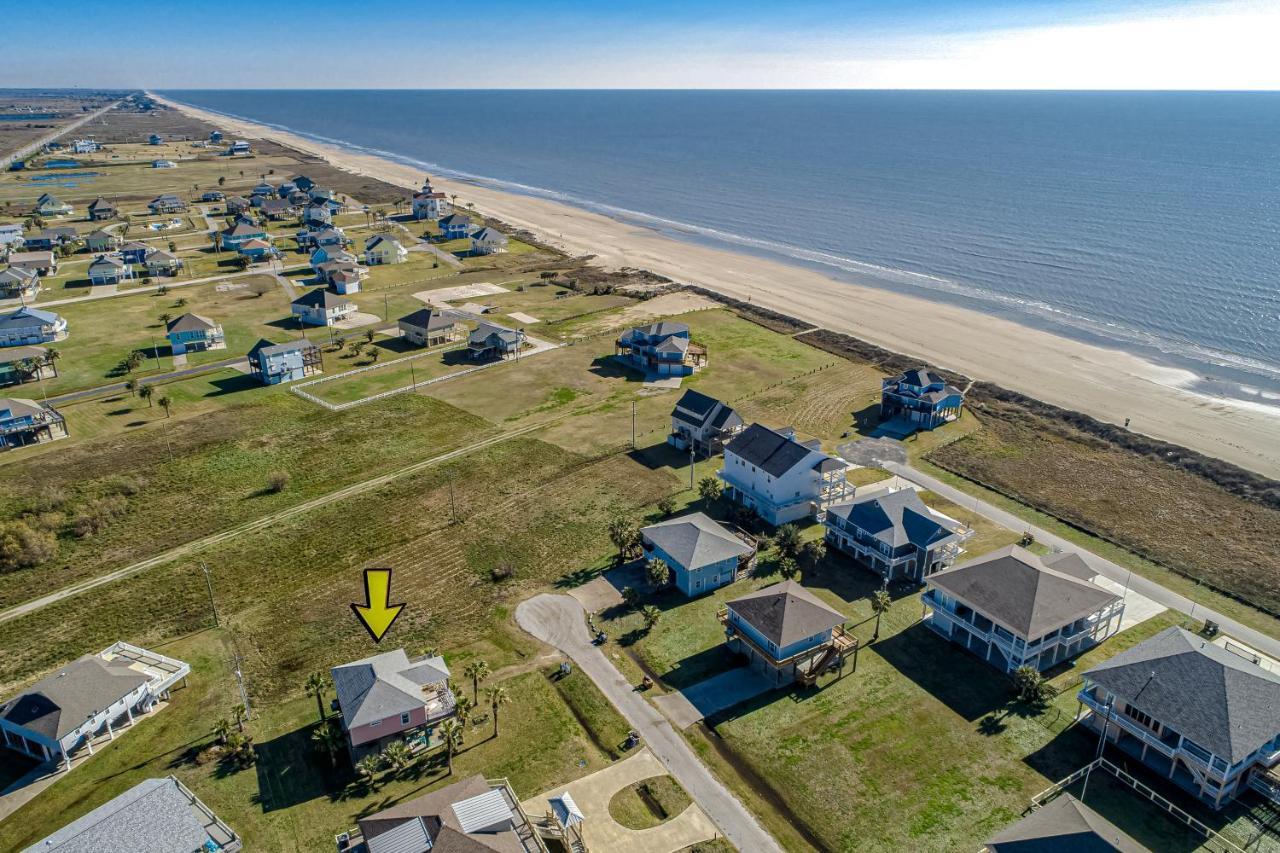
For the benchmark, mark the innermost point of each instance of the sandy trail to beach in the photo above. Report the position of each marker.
(1106, 383)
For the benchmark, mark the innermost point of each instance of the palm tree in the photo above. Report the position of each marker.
(240, 712)
(631, 597)
(146, 392)
(623, 533)
(397, 755)
(880, 602)
(658, 572)
(709, 489)
(51, 358)
(497, 696)
(788, 568)
(374, 353)
(451, 735)
(166, 404)
(651, 616)
(464, 708)
(316, 685)
(222, 728)
(165, 318)
(328, 739)
(477, 671)
(368, 767)
(132, 386)
(788, 540)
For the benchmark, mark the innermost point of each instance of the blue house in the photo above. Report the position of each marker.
(786, 633)
(273, 364)
(895, 534)
(702, 554)
(921, 398)
(155, 139)
(24, 422)
(661, 348)
(215, 136)
(135, 252)
(193, 333)
(455, 226)
(241, 232)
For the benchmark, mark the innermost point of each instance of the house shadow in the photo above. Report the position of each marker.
(608, 367)
(462, 358)
(291, 771)
(232, 384)
(958, 680)
(662, 455)
(292, 324)
(866, 419)
(698, 667)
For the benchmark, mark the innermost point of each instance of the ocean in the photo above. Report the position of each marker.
(1146, 221)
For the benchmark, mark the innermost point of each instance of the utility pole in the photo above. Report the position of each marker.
(208, 582)
(633, 424)
(244, 694)
(691, 463)
(413, 377)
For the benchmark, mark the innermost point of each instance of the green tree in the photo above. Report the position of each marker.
(657, 572)
(146, 392)
(132, 386)
(240, 713)
(497, 696)
(814, 552)
(317, 685)
(624, 535)
(477, 671)
(451, 736)
(329, 740)
(880, 603)
(51, 358)
(651, 616)
(397, 755)
(788, 540)
(368, 767)
(166, 403)
(788, 568)
(666, 505)
(464, 708)
(222, 728)
(369, 335)
(710, 489)
(1032, 687)
(631, 597)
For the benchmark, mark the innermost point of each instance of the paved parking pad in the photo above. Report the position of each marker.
(715, 694)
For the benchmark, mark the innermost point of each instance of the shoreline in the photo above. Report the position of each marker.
(1108, 384)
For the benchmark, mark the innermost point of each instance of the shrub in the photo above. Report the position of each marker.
(501, 572)
(277, 482)
(21, 547)
(667, 505)
(94, 516)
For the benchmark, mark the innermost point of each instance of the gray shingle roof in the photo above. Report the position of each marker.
(485, 331)
(385, 685)
(454, 219)
(771, 451)
(154, 816)
(1218, 699)
(786, 612)
(1065, 824)
(1070, 563)
(321, 299)
(897, 518)
(695, 540)
(58, 704)
(27, 316)
(1013, 587)
(267, 348)
(429, 320)
(190, 323)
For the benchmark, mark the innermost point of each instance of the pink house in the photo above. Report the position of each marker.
(390, 696)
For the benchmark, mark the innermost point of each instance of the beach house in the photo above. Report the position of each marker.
(894, 534)
(1194, 712)
(473, 815)
(19, 283)
(48, 206)
(167, 203)
(215, 136)
(155, 139)
(381, 249)
(11, 236)
(135, 252)
(780, 477)
(277, 209)
(194, 333)
(488, 241)
(28, 325)
(262, 190)
(163, 164)
(317, 213)
(302, 182)
(331, 237)
(272, 364)
(213, 195)
(428, 327)
(391, 696)
(52, 238)
(239, 232)
(102, 240)
(1063, 824)
(661, 349)
(342, 277)
(88, 699)
(429, 204)
(100, 209)
(333, 250)
(702, 553)
(703, 423)
(256, 249)
(321, 308)
(154, 815)
(786, 633)
(24, 422)
(454, 226)
(109, 269)
(489, 340)
(237, 205)
(239, 148)
(25, 364)
(161, 262)
(920, 399)
(1012, 609)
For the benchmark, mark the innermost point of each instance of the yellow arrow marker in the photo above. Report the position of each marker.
(377, 614)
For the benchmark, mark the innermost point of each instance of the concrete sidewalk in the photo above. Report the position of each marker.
(686, 707)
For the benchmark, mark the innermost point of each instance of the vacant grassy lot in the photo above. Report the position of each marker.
(648, 803)
(1169, 516)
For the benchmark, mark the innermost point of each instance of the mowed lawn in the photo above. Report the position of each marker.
(101, 333)
(293, 798)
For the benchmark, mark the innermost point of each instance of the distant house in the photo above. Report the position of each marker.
(25, 364)
(238, 204)
(1012, 610)
(167, 203)
(390, 695)
(324, 254)
(331, 236)
(155, 139)
(262, 190)
(272, 364)
(429, 204)
(215, 136)
(1063, 824)
(322, 194)
(702, 422)
(277, 209)
(302, 182)
(241, 232)
(19, 283)
(455, 226)
(781, 478)
(239, 147)
(109, 269)
(490, 340)
(342, 277)
(255, 248)
(49, 206)
(92, 696)
(102, 241)
(488, 241)
(921, 398)
(161, 262)
(317, 213)
(135, 252)
(24, 422)
(428, 327)
(786, 633)
(51, 238)
(322, 308)
(154, 815)
(473, 815)
(894, 534)
(31, 326)
(213, 195)
(163, 164)
(84, 146)
(381, 249)
(11, 235)
(1194, 712)
(663, 349)
(100, 209)
(41, 263)
(194, 333)
(703, 555)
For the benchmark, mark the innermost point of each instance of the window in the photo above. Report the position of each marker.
(375, 724)
(1141, 717)
(404, 719)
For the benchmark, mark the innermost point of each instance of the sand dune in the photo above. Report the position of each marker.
(1109, 384)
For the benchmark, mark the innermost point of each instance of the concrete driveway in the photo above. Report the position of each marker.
(558, 620)
(605, 591)
(686, 707)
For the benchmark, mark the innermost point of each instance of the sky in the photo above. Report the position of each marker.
(931, 44)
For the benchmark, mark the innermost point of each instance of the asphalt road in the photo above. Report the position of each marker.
(559, 621)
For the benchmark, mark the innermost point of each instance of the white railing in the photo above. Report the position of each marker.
(1134, 728)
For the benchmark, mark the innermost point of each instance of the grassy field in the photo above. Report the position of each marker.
(648, 803)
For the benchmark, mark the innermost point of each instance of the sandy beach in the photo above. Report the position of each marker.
(1106, 383)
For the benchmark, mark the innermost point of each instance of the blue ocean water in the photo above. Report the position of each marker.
(1147, 220)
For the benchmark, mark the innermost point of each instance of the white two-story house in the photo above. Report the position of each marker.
(780, 477)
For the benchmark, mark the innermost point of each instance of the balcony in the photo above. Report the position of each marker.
(1123, 723)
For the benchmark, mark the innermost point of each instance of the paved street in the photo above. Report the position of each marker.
(559, 621)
